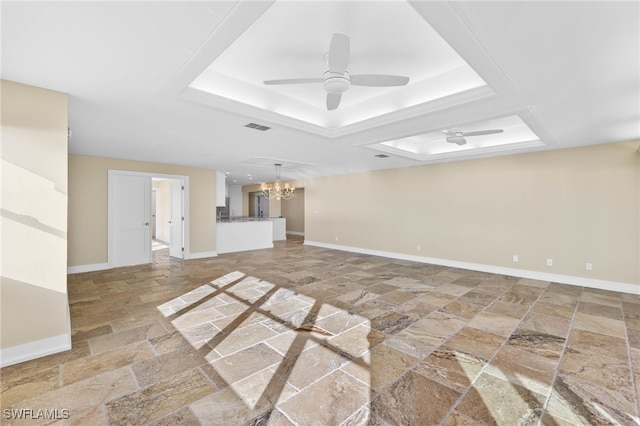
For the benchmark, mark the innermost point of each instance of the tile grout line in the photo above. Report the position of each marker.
(443, 343)
(389, 336)
(562, 354)
(189, 275)
(153, 349)
(135, 379)
(504, 343)
(636, 391)
(61, 376)
(355, 412)
(105, 414)
(277, 363)
(464, 393)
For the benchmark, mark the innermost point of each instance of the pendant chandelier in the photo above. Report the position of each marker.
(277, 189)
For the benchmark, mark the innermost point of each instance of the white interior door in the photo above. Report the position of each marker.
(153, 213)
(130, 210)
(176, 246)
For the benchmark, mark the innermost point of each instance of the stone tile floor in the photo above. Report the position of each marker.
(305, 335)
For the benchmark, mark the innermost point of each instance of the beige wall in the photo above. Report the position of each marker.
(163, 210)
(33, 224)
(88, 205)
(574, 206)
(293, 211)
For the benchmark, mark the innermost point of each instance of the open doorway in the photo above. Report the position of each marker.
(293, 211)
(258, 205)
(133, 207)
(156, 244)
(169, 216)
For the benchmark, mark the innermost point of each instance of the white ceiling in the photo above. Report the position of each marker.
(515, 135)
(290, 39)
(570, 71)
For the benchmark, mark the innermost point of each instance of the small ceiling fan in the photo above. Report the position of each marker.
(458, 137)
(337, 80)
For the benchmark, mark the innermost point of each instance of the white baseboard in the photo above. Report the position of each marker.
(522, 273)
(78, 269)
(33, 350)
(296, 233)
(200, 255)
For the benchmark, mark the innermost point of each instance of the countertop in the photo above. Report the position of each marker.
(235, 219)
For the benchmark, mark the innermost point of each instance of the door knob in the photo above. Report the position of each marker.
(146, 224)
(169, 221)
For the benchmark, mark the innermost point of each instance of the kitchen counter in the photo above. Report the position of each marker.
(234, 219)
(245, 235)
(248, 233)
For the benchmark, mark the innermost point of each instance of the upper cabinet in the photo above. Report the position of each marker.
(221, 191)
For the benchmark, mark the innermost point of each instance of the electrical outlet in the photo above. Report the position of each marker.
(336, 238)
(589, 266)
(418, 247)
(515, 258)
(549, 262)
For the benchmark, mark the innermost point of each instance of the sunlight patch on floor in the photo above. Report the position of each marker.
(269, 343)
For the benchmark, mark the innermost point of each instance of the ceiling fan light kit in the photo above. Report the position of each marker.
(337, 80)
(456, 138)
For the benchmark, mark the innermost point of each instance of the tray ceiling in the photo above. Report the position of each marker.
(290, 40)
(568, 71)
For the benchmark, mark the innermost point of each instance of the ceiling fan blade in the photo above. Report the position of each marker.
(378, 80)
(333, 100)
(339, 53)
(293, 81)
(483, 132)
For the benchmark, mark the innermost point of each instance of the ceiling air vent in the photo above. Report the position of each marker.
(257, 126)
(381, 156)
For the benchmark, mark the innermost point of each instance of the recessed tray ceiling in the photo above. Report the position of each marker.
(433, 145)
(290, 39)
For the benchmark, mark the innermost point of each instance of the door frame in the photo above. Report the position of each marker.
(172, 243)
(154, 225)
(111, 205)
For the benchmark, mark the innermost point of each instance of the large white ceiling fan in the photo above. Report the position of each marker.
(458, 137)
(337, 80)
